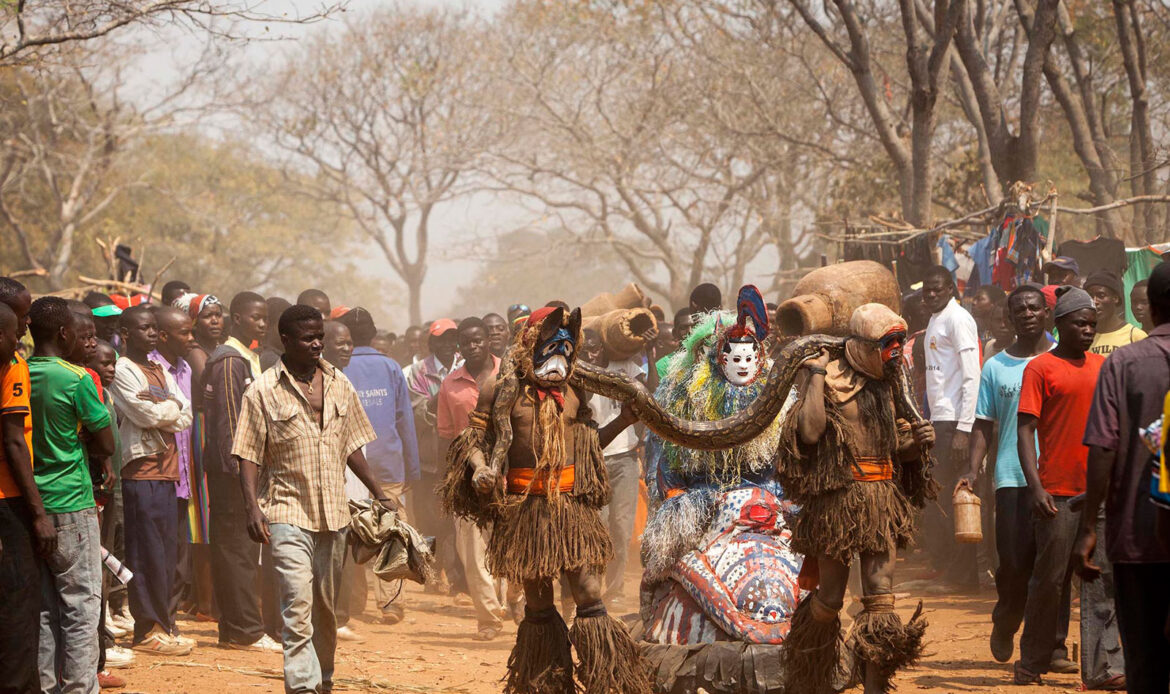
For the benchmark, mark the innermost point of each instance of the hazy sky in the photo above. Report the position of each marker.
(450, 223)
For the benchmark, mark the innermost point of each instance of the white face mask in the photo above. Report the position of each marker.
(740, 363)
(554, 370)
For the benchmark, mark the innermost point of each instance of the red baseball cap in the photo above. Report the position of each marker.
(441, 326)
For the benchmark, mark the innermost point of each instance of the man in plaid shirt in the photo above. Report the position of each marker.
(301, 424)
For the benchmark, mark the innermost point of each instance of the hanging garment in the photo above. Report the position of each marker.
(1098, 254)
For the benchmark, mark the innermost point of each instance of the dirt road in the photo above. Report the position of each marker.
(432, 651)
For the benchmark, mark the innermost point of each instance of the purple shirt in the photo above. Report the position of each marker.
(182, 374)
(1130, 394)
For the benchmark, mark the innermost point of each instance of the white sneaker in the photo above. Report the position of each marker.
(264, 643)
(122, 621)
(183, 640)
(115, 630)
(116, 656)
(159, 643)
(347, 634)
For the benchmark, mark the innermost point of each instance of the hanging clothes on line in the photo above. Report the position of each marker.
(1097, 254)
(1010, 254)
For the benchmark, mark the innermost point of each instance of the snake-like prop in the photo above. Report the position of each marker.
(728, 432)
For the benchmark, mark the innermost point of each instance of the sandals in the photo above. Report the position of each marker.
(486, 634)
(1023, 677)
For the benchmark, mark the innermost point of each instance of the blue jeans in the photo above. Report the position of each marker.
(71, 604)
(308, 575)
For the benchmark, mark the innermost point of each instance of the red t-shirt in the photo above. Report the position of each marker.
(1059, 393)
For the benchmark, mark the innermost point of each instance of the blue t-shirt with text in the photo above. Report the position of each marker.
(999, 400)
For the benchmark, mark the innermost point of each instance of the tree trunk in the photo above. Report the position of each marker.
(1141, 164)
(414, 290)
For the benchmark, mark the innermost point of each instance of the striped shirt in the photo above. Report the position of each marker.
(302, 460)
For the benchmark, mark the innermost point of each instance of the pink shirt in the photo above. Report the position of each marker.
(457, 398)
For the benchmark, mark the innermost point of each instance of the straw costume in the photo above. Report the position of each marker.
(721, 579)
(858, 473)
(530, 464)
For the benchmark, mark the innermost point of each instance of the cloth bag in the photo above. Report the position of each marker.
(397, 550)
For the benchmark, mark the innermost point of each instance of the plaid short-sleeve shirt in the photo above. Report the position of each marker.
(301, 459)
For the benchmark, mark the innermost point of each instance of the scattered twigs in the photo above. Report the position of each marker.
(35, 272)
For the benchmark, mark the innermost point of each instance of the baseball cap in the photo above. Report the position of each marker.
(441, 326)
(1064, 263)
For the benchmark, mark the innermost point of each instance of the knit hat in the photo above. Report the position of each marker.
(193, 304)
(1107, 279)
(1071, 299)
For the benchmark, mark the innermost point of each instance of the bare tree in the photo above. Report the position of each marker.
(68, 131)
(925, 60)
(385, 124)
(612, 132)
(28, 28)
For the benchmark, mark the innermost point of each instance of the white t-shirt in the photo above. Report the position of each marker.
(606, 410)
(952, 366)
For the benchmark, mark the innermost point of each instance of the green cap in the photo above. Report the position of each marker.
(107, 311)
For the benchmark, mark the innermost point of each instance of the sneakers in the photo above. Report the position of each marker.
(183, 640)
(106, 680)
(393, 614)
(117, 657)
(114, 630)
(1001, 645)
(264, 643)
(160, 643)
(122, 620)
(347, 634)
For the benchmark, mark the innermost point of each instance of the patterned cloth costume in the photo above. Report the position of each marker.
(720, 581)
(544, 511)
(858, 484)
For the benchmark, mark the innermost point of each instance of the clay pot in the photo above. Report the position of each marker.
(631, 296)
(824, 299)
(621, 330)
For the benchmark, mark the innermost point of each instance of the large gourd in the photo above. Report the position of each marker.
(824, 299)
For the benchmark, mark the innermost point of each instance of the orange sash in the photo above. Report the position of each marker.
(873, 470)
(524, 480)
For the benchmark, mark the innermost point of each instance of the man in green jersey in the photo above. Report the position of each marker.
(69, 423)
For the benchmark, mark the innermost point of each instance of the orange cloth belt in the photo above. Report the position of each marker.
(525, 480)
(873, 470)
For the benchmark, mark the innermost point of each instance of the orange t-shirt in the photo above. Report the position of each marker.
(14, 387)
(1059, 393)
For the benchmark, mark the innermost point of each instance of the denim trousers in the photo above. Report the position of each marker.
(1100, 641)
(71, 603)
(1016, 548)
(308, 574)
(20, 600)
(619, 515)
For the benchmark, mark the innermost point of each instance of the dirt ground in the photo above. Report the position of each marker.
(433, 651)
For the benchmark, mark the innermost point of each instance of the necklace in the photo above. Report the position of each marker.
(307, 379)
